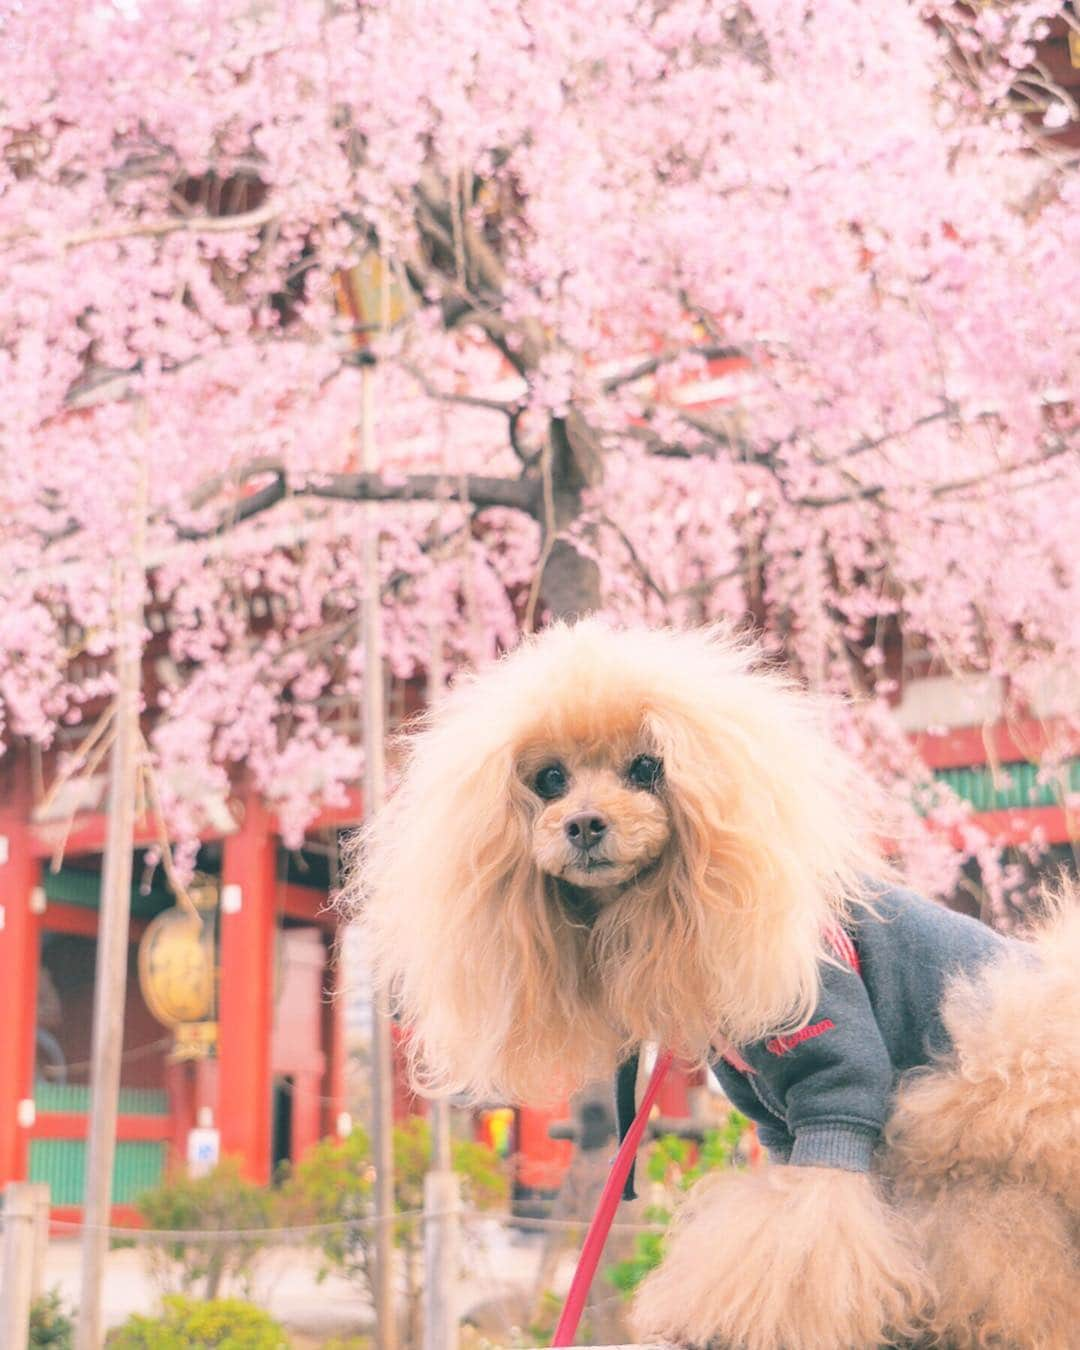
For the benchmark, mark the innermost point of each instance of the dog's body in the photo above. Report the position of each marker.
(618, 837)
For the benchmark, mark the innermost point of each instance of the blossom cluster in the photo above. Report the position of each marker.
(804, 273)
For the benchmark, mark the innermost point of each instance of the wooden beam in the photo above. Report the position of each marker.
(1023, 825)
(60, 917)
(1005, 742)
(87, 835)
(72, 1125)
(309, 904)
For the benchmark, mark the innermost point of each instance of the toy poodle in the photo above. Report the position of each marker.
(618, 837)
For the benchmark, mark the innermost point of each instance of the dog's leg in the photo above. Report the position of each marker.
(796, 1258)
(1005, 1266)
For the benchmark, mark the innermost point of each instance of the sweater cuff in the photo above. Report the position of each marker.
(843, 1146)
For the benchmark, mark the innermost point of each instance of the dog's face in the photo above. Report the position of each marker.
(601, 817)
(605, 838)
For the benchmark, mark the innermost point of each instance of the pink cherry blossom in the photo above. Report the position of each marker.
(765, 310)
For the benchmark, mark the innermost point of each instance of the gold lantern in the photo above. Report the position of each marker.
(177, 975)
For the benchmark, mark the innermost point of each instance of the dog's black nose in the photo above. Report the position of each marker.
(585, 829)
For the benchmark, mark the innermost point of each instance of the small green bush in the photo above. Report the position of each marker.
(223, 1201)
(50, 1324)
(190, 1324)
(333, 1185)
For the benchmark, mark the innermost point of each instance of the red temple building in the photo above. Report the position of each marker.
(271, 1077)
(266, 1068)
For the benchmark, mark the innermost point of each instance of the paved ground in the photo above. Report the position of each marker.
(499, 1264)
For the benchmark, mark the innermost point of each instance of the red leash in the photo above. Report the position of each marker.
(605, 1210)
(613, 1187)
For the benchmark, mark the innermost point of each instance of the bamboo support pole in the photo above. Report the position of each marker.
(110, 971)
(442, 1187)
(382, 1068)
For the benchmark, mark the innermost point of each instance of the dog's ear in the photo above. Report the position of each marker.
(774, 841)
(439, 880)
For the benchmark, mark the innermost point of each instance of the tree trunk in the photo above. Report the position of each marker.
(570, 585)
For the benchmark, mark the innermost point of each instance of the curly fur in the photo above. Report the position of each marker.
(1004, 1264)
(1006, 1101)
(719, 936)
(521, 972)
(982, 1150)
(804, 1258)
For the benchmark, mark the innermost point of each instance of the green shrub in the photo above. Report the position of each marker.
(675, 1165)
(50, 1324)
(334, 1183)
(223, 1201)
(191, 1324)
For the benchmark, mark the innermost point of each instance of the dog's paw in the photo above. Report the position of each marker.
(797, 1258)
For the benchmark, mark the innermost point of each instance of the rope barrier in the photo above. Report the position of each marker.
(303, 1232)
(210, 1235)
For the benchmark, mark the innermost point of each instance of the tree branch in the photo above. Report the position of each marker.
(635, 557)
(876, 442)
(651, 364)
(245, 220)
(520, 494)
(446, 396)
(877, 491)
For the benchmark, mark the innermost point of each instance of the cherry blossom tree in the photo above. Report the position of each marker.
(686, 310)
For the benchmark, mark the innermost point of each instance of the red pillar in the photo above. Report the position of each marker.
(245, 1000)
(192, 1085)
(333, 1034)
(180, 1085)
(20, 873)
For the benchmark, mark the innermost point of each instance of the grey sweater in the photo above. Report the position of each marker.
(821, 1096)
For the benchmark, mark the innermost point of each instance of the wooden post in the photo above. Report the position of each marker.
(382, 1067)
(39, 1196)
(442, 1186)
(111, 966)
(16, 1289)
(333, 1036)
(442, 1207)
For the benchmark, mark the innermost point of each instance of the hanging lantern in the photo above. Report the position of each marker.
(177, 975)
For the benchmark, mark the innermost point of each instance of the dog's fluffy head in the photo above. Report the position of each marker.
(610, 836)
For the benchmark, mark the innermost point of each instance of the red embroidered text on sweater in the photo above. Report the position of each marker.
(780, 1045)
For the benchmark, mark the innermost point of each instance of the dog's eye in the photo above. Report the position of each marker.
(550, 782)
(646, 772)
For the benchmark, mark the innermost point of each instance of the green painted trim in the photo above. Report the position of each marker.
(74, 1099)
(70, 886)
(1017, 785)
(62, 1164)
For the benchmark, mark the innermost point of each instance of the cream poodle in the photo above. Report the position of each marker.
(615, 837)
